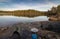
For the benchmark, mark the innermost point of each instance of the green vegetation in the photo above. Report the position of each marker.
(54, 11)
(27, 13)
(33, 13)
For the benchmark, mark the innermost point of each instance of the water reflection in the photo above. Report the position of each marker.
(14, 19)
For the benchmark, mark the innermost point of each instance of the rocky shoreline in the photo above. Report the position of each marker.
(51, 27)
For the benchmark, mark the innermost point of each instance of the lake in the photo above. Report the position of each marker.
(5, 20)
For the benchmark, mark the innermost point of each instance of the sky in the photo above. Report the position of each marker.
(41, 5)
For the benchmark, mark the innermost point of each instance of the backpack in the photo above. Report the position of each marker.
(34, 36)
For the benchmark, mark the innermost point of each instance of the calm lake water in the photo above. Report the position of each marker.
(13, 19)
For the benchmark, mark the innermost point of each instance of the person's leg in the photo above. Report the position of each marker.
(16, 35)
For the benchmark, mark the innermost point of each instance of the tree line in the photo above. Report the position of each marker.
(54, 11)
(33, 13)
(27, 13)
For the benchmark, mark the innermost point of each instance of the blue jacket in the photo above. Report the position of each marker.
(34, 36)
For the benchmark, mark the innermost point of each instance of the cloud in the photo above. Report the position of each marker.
(4, 0)
(37, 5)
(40, 7)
